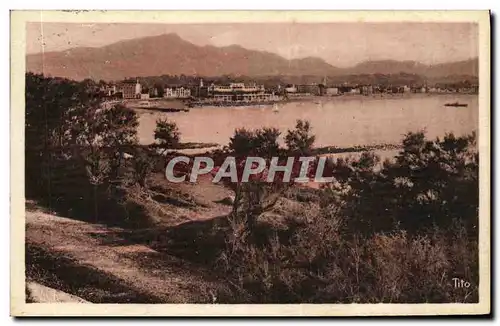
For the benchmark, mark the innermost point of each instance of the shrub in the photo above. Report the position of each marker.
(392, 232)
(166, 134)
(429, 184)
(101, 137)
(261, 142)
(75, 148)
(300, 140)
(319, 264)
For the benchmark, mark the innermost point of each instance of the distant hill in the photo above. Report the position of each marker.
(467, 67)
(168, 54)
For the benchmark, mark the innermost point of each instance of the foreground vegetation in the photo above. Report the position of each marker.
(393, 231)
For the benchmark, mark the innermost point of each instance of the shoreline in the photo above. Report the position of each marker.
(178, 105)
(205, 150)
(322, 98)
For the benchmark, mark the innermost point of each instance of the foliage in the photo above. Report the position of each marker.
(166, 134)
(259, 195)
(49, 102)
(261, 142)
(76, 147)
(430, 183)
(300, 139)
(394, 231)
(160, 89)
(271, 82)
(319, 263)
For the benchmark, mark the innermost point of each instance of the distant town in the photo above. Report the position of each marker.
(235, 93)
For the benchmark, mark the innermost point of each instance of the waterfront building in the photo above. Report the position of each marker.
(245, 98)
(199, 91)
(234, 92)
(366, 90)
(153, 92)
(345, 89)
(291, 89)
(309, 89)
(130, 89)
(183, 92)
(108, 90)
(238, 92)
(214, 89)
(355, 90)
(419, 89)
(177, 92)
(332, 91)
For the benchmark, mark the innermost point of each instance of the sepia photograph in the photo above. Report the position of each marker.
(250, 163)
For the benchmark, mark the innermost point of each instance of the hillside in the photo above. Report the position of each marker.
(467, 67)
(168, 54)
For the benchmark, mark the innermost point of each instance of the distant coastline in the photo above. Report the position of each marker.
(173, 106)
(320, 99)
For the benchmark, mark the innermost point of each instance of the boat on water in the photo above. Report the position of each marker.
(456, 104)
(276, 108)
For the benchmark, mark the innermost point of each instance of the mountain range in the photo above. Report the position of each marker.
(169, 54)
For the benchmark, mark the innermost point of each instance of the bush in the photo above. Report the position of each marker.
(75, 149)
(300, 140)
(430, 183)
(320, 264)
(261, 142)
(392, 232)
(166, 134)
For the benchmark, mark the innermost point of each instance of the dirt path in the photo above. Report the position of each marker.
(136, 271)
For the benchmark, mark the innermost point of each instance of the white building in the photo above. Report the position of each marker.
(177, 92)
(332, 91)
(109, 90)
(236, 87)
(291, 89)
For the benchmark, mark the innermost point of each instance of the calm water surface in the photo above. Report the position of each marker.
(343, 121)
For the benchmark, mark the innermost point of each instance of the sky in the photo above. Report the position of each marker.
(340, 44)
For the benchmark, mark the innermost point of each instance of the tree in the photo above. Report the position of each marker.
(102, 136)
(258, 195)
(142, 166)
(266, 142)
(261, 142)
(242, 143)
(431, 183)
(50, 103)
(439, 180)
(166, 134)
(74, 145)
(300, 139)
(160, 90)
(119, 133)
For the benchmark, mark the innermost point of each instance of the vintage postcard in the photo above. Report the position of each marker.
(250, 163)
